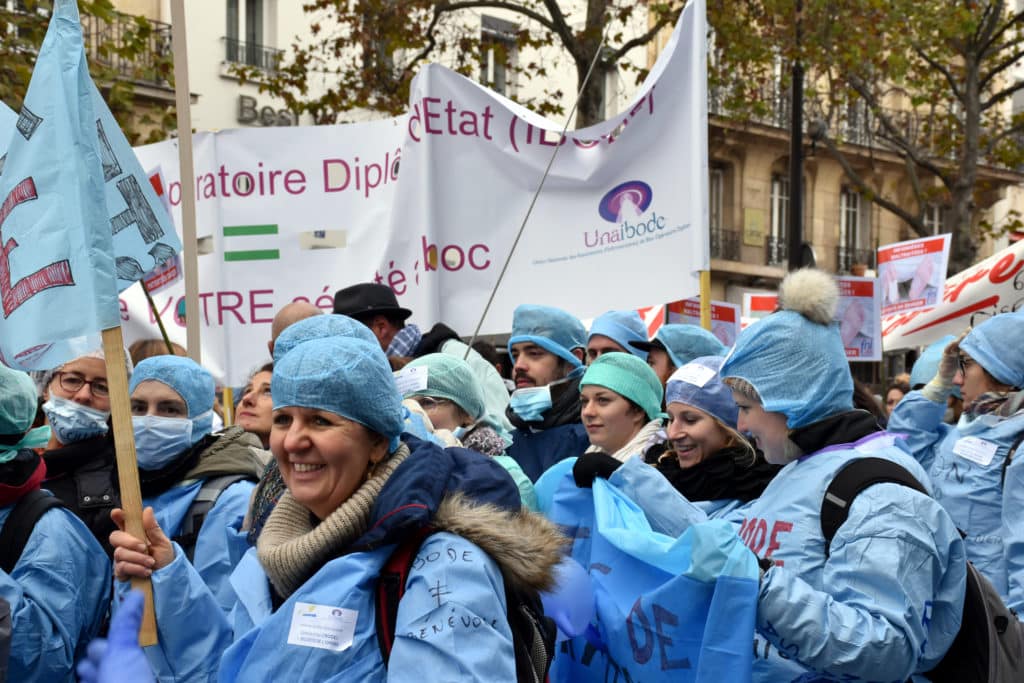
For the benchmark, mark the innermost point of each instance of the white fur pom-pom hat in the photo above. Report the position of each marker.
(794, 358)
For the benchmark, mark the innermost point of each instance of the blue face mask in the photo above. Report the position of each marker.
(531, 403)
(159, 440)
(72, 422)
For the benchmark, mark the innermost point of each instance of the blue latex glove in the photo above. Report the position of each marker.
(118, 658)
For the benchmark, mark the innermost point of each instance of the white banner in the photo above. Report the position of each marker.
(282, 214)
(911, 273)
(859, 317)
(621, 220)
(996, 285)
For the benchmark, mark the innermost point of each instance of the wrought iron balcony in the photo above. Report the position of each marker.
(136, 48)
(250, 54)
(776, 251)
(725, 244)
(847, 256)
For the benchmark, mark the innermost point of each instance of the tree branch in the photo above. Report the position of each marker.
(547, 22)
(999, 68)
(1001, 95)
(946, 73)
(996, 139)
(642, 39)
(863, 188)
(998, 34)
(563, 31)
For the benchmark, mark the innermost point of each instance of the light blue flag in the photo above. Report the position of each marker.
(78, 219)
(56, 257)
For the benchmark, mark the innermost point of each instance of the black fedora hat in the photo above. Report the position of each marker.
(368, 298)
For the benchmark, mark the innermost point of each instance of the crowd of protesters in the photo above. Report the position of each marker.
(362, 434)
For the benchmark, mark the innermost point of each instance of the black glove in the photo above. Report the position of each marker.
(591, 465)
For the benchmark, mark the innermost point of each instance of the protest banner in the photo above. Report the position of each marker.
(859, 317)
(757, 306)
(725, 318)
(996, 285)
(79, 220)
(626, 197)
(911, 273)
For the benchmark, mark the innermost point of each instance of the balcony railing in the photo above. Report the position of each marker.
(251, 54)
(848, 256)
(725, 244)
(149, 61)
(776, 251)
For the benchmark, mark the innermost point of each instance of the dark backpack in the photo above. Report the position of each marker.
(989, 648)
(204, 501)
(533, 634)
(20, 523)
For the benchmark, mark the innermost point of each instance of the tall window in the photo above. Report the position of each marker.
(933, 218)
(244, 34)
(849, 217)
(778, 224)
(498, 53)
(716, 190)
(854, 231)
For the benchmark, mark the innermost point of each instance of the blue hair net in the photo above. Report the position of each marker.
(627, 376)
(798, 367)
(346, 376)
(190, 380)
(319, 327)
(451, 378)
(621, 327)
(927, 364)
(550, 328)
(683, 343)
(699, 385)
(995, 344)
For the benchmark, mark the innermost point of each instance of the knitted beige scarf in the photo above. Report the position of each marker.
(291, 549)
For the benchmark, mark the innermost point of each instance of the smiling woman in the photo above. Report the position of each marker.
(354, 493)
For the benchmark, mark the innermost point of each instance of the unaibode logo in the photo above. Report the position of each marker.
(625, 204)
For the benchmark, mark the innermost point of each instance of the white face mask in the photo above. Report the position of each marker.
(160, 440)
(72, 422)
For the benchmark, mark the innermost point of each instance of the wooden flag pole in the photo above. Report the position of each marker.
(183, 104)
(127, 465)
(705, 299)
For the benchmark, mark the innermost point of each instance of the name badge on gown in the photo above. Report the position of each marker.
(322, 626)
(978, 451)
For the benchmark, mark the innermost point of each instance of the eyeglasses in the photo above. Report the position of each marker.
(963, 362)
(429, 403)
(73, 382)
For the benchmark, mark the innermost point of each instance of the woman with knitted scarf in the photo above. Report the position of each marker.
(705, 458)
(306, 594)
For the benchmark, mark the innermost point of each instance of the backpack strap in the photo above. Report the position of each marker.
(1009, 457)
(201, 505)
(391, 587)
(21, 522)
(847, 484)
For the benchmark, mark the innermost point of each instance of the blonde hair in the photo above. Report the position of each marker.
(734, 439)
(743, 388)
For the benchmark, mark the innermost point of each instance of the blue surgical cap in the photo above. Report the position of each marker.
(698, 384)
(995, 344)
(346, 376)
(621, 327)
(550, 328)
(684, 343)
(798, 367)
(319, 327)
(451, 378)
(190, 380)
(627, 376)
(927, 364)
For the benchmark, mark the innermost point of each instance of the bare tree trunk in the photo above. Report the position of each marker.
(964, 247)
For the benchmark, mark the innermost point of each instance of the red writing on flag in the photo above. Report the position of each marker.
(54, 275)
(755, 534)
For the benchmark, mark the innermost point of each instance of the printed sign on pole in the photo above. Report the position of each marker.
(859, 317)
(757, 306)
(911, 273)
(725, 318)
